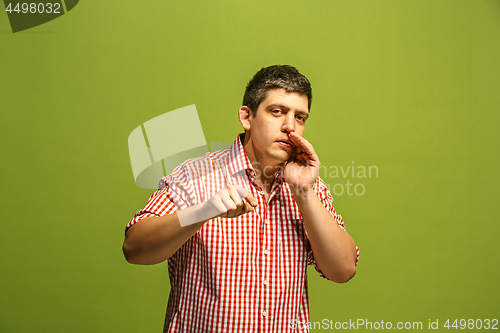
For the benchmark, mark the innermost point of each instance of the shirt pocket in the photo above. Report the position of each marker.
(294, 243)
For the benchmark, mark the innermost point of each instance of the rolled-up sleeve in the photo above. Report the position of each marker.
(159, 204)
(174, 193)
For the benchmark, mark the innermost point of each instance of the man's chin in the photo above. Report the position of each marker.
(281, 157)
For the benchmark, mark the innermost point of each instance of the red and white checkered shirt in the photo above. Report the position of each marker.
(245, 274)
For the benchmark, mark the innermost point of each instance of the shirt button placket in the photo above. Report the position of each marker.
(265, 281)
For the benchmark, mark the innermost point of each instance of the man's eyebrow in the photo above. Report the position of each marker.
(283, 106)
(278, 105)
(304, 113)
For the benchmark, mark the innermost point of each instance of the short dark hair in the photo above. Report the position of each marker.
(275, 77)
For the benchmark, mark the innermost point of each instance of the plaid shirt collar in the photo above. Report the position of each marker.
(238, 161)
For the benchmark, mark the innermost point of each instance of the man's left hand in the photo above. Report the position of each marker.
(302, 169)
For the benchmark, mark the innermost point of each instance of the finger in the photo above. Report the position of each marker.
(304, 145)
(247, 208)
(295, 138)
(217, 206)
(237, 201)
(227, 201)
(303, 159)
(245, 194)
(235, 196)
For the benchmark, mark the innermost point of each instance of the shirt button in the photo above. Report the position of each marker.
(266, 221)
(265, 282)
(266, 252)
(261, 192)
(264, 313)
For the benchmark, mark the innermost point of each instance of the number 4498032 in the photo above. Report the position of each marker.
(35, 8)
(472, 324)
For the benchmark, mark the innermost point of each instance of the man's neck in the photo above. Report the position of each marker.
(265, 168)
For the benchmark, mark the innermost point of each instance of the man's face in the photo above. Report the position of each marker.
(279, 114)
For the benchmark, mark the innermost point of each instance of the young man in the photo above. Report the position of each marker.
(239, 226)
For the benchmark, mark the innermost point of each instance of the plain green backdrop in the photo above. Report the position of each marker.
(411, 87)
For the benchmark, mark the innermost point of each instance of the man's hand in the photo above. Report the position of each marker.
(228, 203)
(333, 248)
(302, 169)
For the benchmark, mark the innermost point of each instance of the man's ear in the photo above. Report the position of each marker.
(246, 116)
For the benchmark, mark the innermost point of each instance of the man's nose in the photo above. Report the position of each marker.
(288, 124)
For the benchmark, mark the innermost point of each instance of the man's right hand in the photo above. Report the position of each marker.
(232, 201)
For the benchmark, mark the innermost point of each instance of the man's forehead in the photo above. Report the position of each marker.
(290, 100)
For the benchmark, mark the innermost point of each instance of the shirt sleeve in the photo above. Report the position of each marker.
(174, 193)
(326, 199)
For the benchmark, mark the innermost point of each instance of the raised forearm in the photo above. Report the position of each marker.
(155, 239)
(334, 249)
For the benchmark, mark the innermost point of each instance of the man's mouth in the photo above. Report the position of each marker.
(286, 143)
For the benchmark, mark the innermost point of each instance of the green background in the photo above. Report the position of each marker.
(412, 87)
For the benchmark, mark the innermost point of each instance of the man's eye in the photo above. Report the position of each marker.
(301, 118)
(276, 111)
